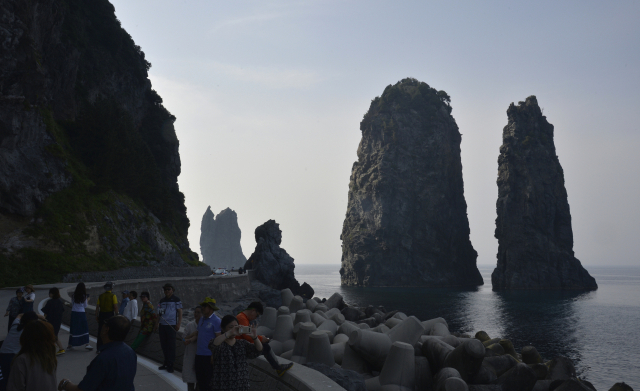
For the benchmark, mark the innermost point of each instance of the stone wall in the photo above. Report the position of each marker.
(142, 272)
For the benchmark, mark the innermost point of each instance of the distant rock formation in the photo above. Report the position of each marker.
(533, 228)
(273, 266)
(220, 240)
(406, 221)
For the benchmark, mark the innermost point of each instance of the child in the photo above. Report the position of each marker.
(131, 310)
(147, 320)
(14, 308)
(28, 299)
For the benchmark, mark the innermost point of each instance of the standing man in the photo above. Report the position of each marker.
(125, 301)
(14, 308)
(253, 311)
(208, 329)
(169, 321)
(106, 308)
(115, 368)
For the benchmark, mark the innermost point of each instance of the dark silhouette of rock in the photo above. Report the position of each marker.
(271, 263)
(406, 222)
(220, 240)
(533, 227)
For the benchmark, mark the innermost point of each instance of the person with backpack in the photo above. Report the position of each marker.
(106, 308)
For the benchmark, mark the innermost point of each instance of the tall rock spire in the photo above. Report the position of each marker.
(533, 227)
(406, 221)
(220, 240)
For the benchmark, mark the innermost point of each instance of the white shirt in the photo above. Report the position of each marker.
(131, 311)
(30, 296)
(79, 307)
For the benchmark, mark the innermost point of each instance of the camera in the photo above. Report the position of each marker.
(244, 330)
(161, 311)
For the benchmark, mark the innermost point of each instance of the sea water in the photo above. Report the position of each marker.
(597, 330)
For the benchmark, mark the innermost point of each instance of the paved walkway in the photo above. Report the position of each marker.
(73, 364)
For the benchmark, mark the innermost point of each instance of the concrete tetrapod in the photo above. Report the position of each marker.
(284, 329)
(400, 315)
(398, 372)
(321, 307)
(436, 352)
(340, 338)
(287, 296)
(520, 377)
(373, 347)
(335, 301)
(301, 347)
(311, 304)
(428, 324)
(392, 322)
(466, 358)
(352, 361)
(381, 328)
(409, 331)
(440, 330)
(269, 317)
(347, 328)
(302, 316)
(448, 379)
(530, 355)
(330, 326)
(337, 349)
(283, 311)
(424, 377)
(317, 319)
(297, 303)
(319, 349)
(331, 312)
(338, 318)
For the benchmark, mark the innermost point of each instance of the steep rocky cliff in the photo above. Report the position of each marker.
(272, 265)
(220, 240)
(533, 227)
(406, 221)
(88, 155)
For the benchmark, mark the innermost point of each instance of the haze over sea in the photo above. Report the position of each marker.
(597, 330)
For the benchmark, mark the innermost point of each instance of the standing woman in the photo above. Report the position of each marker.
(79, 330)
(34, 367)
(147, 320)
(189, 357)
(53, 311)
(230, 367)
(28, 298)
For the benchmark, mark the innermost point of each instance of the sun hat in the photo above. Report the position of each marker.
(210, 302)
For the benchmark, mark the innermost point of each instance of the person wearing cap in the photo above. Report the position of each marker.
(106, 308)
(14, 308)
(147, 320)
(168, 324)
(124, 302)
(208, 329)
(253, 311)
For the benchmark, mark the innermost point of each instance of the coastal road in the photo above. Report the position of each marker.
(73, 364)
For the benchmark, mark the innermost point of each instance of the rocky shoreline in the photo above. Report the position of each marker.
(371, 348)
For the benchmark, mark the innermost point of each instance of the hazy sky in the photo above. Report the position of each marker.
(269, 96)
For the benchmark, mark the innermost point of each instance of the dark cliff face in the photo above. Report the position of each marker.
(81, 134)
(220, 240)
(533, 227)
(272, 265)
(406, 221)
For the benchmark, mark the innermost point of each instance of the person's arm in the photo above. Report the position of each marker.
(30, 301)
(231, 333)
(98, 309)
(179, 319)
(115, 305)
(255, 338)
(66, 385)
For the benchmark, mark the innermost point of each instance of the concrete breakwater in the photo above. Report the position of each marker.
(228, 291)
(141, 272)
(374, 349)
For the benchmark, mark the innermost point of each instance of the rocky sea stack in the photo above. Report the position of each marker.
(533, 227)
(272, 265)
(406, 221)
(220, 240)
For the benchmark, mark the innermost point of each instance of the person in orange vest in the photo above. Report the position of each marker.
(253, 311)
(107, 307)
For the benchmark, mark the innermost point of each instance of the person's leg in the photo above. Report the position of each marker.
(204, 371)
(139, 339)
(171, 347)
(162, 333)
(270, 356)
(11, 319)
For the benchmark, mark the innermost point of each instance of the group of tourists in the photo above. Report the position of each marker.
(215, 354)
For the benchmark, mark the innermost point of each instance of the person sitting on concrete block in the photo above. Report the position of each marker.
(253, 311)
